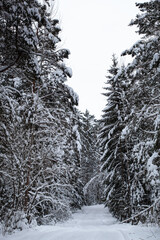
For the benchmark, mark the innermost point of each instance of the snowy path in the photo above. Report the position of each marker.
(92, 223)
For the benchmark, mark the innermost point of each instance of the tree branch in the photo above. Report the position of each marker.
(5, 68)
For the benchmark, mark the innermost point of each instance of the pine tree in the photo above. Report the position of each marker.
(114, 160)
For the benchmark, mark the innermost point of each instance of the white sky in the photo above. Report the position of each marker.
(93, 30)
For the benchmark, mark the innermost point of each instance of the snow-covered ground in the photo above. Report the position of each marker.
(91, 223)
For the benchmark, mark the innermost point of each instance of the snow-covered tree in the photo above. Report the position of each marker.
(145, 82)
(114, 148)
(39, 139)
(130, 124)
(88, 128)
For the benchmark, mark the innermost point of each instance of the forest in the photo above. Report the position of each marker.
(54, 159)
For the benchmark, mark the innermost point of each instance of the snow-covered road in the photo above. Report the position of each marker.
(91, 223)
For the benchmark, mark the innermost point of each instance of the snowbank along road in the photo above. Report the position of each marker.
(91, 223)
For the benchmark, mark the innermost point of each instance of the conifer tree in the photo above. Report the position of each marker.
(39, 139)
(88, 128)
(145, 74)
(114, 160)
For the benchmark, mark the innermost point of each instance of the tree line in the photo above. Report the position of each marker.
(44, 138)
(130, 124)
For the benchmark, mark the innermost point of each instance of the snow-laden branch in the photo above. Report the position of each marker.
(142, 212)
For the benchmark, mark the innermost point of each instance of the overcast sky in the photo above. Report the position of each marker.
(93, 30)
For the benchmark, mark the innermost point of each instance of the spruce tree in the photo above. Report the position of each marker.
(114, 160)
(88, 128)
(145, 74)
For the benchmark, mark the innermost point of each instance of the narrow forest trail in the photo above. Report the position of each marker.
(91, 223)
